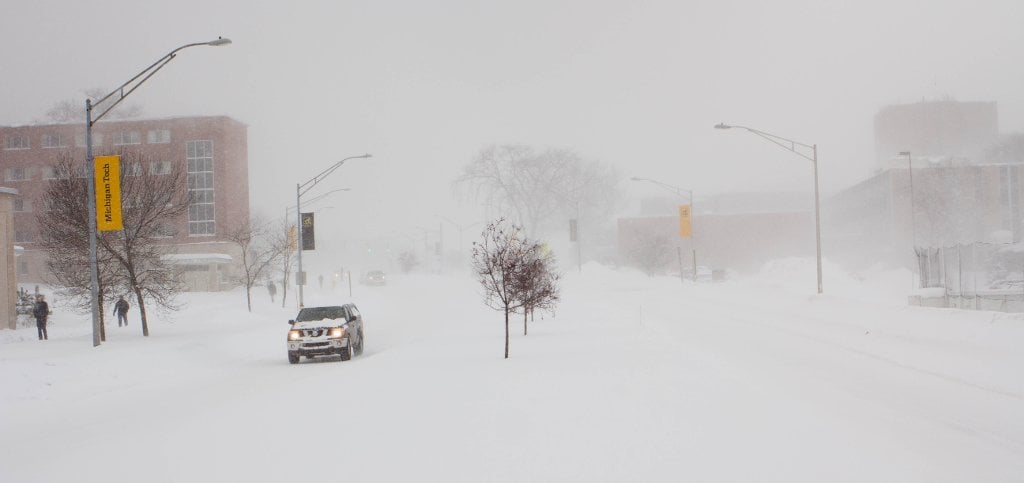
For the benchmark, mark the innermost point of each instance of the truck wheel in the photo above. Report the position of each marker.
(346, 353)
(293, 358)
(362, 342)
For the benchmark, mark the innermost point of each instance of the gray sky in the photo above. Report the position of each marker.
(424, 85)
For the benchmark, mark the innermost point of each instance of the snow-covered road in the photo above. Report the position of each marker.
(634, 379)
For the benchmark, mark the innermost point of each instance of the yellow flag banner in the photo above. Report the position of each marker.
(108, 193)
(685, 228)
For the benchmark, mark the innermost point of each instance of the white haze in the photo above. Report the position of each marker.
(423, 85)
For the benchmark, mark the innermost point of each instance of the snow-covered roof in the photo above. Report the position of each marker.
(196, 258)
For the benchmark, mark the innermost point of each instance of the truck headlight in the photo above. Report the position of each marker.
(336, 332)
(294, 335)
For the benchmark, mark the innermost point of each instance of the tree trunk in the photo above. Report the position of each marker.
(506, 332)
(284, 284)
(524, 320)
(142, 312)
(103, 328)
(248, 296)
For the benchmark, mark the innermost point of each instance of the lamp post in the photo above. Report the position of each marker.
(792, 145)
(121, 92)
(301, 189)
(913, 215)
(679, 253)
(910, 176)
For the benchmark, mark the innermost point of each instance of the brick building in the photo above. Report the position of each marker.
(213, 151)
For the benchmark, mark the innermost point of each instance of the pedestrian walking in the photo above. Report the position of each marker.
(272, 289)
(41, 311)
(121, 311)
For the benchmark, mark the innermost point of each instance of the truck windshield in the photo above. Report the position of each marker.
(320, 313)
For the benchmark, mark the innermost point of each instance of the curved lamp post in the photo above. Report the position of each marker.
(121, 92)
(301, 189)
(792, 145)
(689, 194)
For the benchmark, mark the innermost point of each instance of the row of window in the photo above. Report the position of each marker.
(130, 168)
(122, 138)
(162, 231)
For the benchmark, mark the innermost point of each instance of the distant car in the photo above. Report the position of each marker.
(325, 331)
(374, 277)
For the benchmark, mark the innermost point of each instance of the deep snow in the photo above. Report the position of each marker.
(633, 379)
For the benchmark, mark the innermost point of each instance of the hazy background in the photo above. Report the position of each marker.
(424, 85)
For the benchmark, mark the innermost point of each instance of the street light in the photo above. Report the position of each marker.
(462, 228)
(679, 253)
(913, 215)
(792, 145)
(301, 189)
(121, 93)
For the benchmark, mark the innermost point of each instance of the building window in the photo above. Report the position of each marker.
(201, 219)
(49, 172)
(163, 231)
(16, 174)
(54, 141)
(82, 170)
(97, 140)
(127, 137)
(159, 167)
(22, 237)
(22, 267)
(132, 168)
(20, 141)
(158, 136)
(21, 206)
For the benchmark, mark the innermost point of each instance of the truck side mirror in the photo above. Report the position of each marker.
(291, 322)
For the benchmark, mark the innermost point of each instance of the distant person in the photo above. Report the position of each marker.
(41, 311)
(321, 281)
(272, 289)
(121, 311)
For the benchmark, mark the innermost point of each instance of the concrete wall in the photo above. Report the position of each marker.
(8, 272)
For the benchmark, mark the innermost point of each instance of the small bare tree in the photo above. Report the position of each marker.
(516, 274)
(259, 249)
(286, 238)
(536, 284)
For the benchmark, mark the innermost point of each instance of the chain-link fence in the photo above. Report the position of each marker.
(980, 276)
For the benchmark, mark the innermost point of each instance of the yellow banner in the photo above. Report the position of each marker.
(685, 227)
(108, 193)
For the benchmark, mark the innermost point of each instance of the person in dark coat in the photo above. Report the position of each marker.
(41, 311)
(272, 289)
(121, 311)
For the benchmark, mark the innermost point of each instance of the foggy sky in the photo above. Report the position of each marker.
(424, 85)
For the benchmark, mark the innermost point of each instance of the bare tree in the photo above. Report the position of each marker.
(536, 283)
(64, 234)
(516, 274)
(286, 238)
(651, 251)
(259, 250)
(149, 199)
(539, 188)
(496, 259)
(73, 110)
(407, 261)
